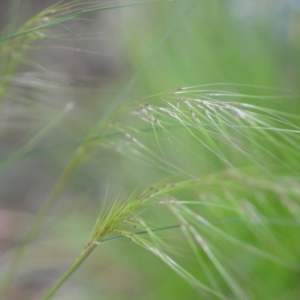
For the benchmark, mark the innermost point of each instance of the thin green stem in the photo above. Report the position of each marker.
(84, 254)
(74, 161)
(39, 219)
(80, 259)
(112, 109)
(30, 144)
(68, 17)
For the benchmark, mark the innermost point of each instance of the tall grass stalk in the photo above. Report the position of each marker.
(207, 123)
(29, 33)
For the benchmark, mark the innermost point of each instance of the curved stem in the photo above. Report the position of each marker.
(33, 230)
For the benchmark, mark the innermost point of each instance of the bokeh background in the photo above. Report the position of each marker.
(88, 61)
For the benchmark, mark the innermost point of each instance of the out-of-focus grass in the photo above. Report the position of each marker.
(218, 42)
(236, 167)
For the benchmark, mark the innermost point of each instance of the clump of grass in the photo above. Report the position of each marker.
(202, 159)
(245, 186)
(232, 206)
(14, 45)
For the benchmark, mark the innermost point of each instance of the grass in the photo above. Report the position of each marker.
(203, 175)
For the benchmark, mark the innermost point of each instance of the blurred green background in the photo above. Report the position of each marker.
(89, 61)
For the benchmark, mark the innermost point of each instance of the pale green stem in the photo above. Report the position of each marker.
(80, 259)
(110, 111)
(68, 17)
(33, 230)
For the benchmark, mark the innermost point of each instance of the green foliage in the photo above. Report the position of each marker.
(204, 176)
